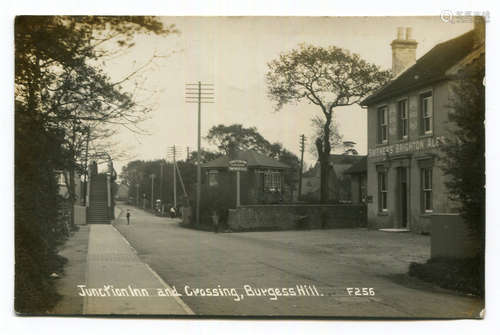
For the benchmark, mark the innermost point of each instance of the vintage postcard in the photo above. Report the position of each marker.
(284, 167)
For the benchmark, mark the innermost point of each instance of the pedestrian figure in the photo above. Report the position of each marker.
(128, 217)
(215, 221)
(172, 212)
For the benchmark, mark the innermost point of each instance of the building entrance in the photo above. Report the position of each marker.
(403, 196)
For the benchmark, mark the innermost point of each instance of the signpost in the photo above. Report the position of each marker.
(238, 166)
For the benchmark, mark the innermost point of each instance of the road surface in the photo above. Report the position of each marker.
(326, 262)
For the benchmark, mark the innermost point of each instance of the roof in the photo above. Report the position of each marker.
(358, 167)
(345, 159)
(339, 162)
(253, 158)
(429, 68)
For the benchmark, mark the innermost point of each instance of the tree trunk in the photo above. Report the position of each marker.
(324, 160)
(72, 196)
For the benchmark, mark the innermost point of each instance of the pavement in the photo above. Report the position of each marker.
(118, 282)
(75, 251)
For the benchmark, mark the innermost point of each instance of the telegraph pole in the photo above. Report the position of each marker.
(187, 153)
(152, 190)
(199, 93)
(137, 195)
(161, 181)
(302, 146)
(172, 151)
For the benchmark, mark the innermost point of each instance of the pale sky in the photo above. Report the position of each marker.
(232, 53)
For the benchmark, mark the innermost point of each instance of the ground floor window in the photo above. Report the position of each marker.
(382, 191)
(212, 178)
(272, 181)
(426, 188)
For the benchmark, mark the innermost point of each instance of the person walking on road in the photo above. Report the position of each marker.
(128, 216)
(215, 221)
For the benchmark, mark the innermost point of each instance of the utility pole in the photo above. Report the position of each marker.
(172, 152)
(302, 146)
(187, 153)
(161, 181)
(152, 190)
(199, 93)
(137, 195)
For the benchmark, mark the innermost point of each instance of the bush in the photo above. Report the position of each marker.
(39, 228)
(463, 275)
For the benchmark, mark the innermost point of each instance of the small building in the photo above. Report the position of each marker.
(407, 122)
(263, 182)
(357, 174)
(339, 180)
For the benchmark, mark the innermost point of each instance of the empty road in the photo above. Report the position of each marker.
(326, 262)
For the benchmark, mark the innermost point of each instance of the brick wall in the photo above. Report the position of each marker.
(289, 217)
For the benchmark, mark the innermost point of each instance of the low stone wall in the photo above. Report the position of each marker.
(451, 238)
(296, 216)
(80, 215)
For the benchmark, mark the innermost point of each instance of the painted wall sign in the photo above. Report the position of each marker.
(411, 146)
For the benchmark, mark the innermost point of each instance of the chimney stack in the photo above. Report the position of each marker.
(404, 50)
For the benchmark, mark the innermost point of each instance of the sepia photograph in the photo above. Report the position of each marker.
(250, 167)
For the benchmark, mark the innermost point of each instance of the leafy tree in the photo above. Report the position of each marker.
(59, 79)
(62, 92)
(246, 138)
(206, 156)
(326, 77)
(464, 160)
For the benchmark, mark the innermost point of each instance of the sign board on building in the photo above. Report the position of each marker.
(404, 147)
(238, 165)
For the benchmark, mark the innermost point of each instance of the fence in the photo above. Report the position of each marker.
(80, 215)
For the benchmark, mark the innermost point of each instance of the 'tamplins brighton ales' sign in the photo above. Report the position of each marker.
(404, 147)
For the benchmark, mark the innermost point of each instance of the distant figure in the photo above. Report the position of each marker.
(172, 212)
(215, 221)
(128, 217)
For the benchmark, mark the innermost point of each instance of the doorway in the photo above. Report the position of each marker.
(403, 196)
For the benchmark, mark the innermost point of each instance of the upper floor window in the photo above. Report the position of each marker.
(403, 119)
(382, 122)
(426, 113)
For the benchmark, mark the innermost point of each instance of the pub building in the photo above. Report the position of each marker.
(407, 122)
